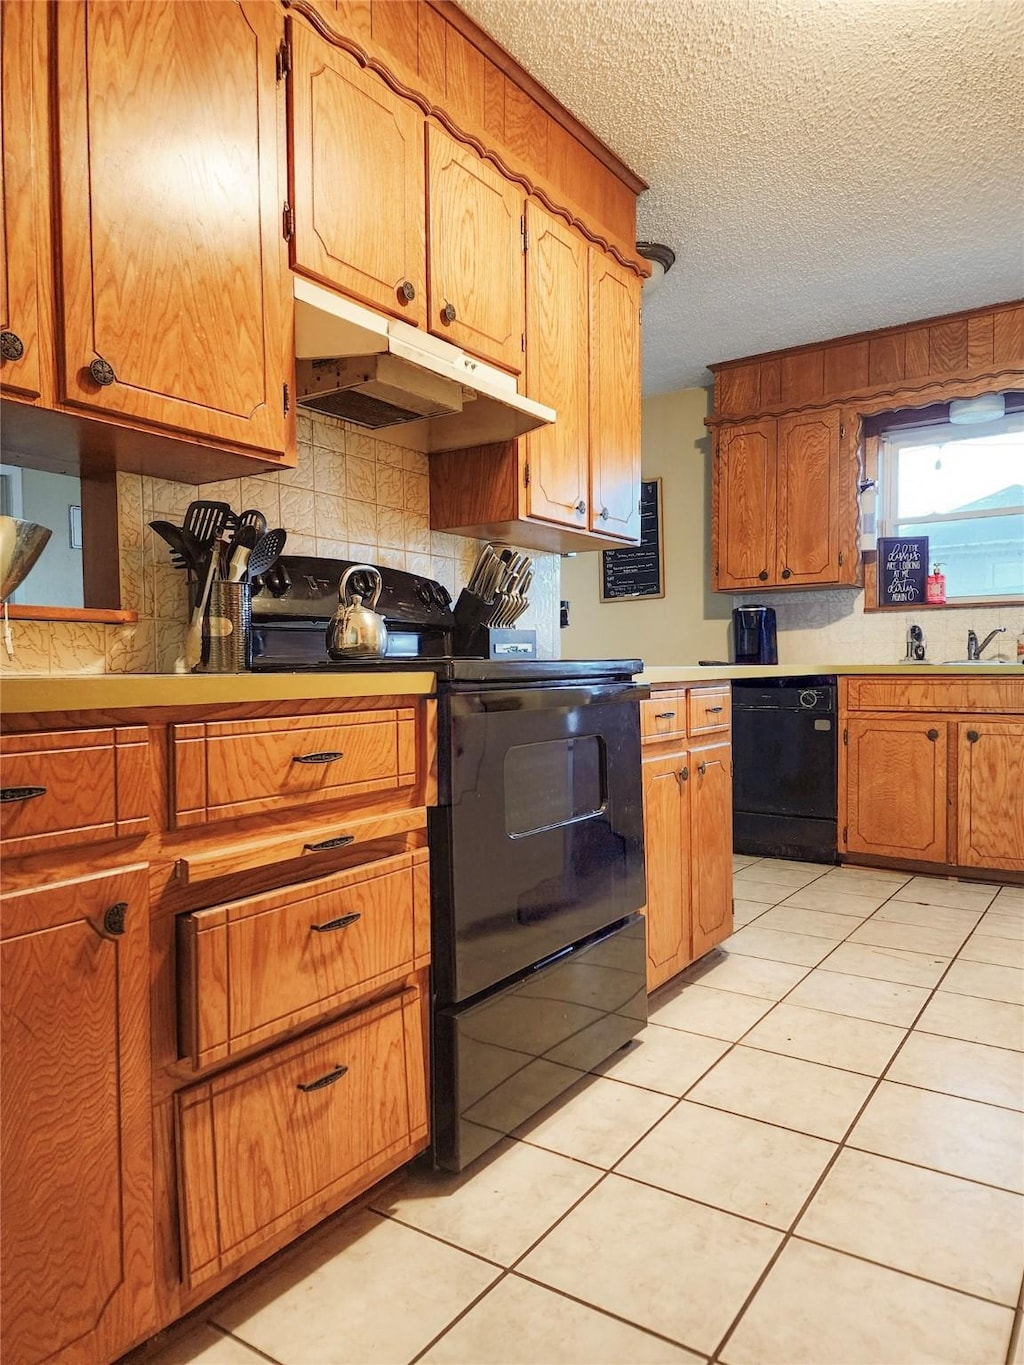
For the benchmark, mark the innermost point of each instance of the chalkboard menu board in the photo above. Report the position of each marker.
(902, 570)
(637, 572)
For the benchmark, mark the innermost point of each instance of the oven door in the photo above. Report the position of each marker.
(538, 838)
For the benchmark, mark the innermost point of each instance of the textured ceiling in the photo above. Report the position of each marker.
(818, 166)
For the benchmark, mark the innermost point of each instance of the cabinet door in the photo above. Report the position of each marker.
(711, 841)
(173, 272)
(76, 1164)
(24, 221)
(614, 398)
(896, 788)
(990, 781)
(357, 180)
(807, 499)
(666, 782)
(743, 506)
(476, 278)
(556, 368)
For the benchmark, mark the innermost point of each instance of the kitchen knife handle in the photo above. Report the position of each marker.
(323, 1081)
(333, 924)
(328, 756)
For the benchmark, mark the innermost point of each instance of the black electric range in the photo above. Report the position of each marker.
(536, 846)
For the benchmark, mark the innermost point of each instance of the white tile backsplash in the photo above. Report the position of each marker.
(831, 627)
(351, 495)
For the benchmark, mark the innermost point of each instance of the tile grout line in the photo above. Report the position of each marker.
(841, 1146)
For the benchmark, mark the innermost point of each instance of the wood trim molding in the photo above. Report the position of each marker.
(461, 21)
(429, 109)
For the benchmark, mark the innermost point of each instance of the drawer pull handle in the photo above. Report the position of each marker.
(333, 924)
(322, 1081)
(714, 710)
(665, 715)
(328, 756)
(325, 844)
(114, 918)
(973, 736)
(20, 793)
(933, 735)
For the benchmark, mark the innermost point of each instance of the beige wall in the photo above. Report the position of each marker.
(689, 622)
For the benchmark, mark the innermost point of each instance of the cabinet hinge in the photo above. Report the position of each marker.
(846, 736)
(523, 341)
(286, 399)
(288, 221)
(842, 430)
(526, 235)
(845, 835)
(526, 475)
(283, 59)
(716, 568)
(840, 556)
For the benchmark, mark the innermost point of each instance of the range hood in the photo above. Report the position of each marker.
(379, 372)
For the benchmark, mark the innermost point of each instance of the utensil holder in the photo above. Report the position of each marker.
(228, 628)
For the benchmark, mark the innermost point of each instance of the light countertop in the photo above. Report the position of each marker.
(111, 691)
(663, 675)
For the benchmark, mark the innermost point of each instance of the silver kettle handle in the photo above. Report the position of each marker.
(360, 568)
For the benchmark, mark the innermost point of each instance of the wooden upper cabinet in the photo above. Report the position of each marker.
(172, 275)
(24, 218)
(614, 398)
(807, 498)
(475, 274)
(556, 368)
(357, 179)
(895, 788)
(743, 506)
(76, 1173)
(990, 780)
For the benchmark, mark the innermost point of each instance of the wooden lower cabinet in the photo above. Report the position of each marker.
(990, 794)
(76, 1238)
(297, 1133)
(896, 788)
(687, 835)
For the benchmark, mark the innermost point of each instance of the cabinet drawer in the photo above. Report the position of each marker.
(939, 694)
(271, 1146)
(226, 770)
(663, 716)
(256, 967)
(708, 709)
(66, 787)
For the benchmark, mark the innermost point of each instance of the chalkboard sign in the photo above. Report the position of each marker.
(902, 570)
(637, 572)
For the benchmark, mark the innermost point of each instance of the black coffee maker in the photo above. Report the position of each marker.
(754, 637)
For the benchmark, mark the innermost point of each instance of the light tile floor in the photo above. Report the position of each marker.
(814, 1155)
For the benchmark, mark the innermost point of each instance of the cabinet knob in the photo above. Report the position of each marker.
(786, 573)
(934, 734)
(581, 507)
(702, 768)
(113, 919)
(763, 575)
(11, 346)
(684, 774)
(102, 373)
(407, 291)
(448, 313)
(973, 736)
(603, 514)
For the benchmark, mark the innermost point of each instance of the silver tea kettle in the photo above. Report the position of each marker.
(356, 631)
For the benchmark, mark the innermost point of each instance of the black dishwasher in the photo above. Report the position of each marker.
(784, 767)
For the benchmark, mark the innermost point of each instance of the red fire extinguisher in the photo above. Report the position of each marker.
(935, 587)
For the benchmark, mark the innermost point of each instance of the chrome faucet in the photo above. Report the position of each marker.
(974, 650)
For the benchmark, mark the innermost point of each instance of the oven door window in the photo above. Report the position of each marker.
(554, 783)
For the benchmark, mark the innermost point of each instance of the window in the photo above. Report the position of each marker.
(963, 488)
